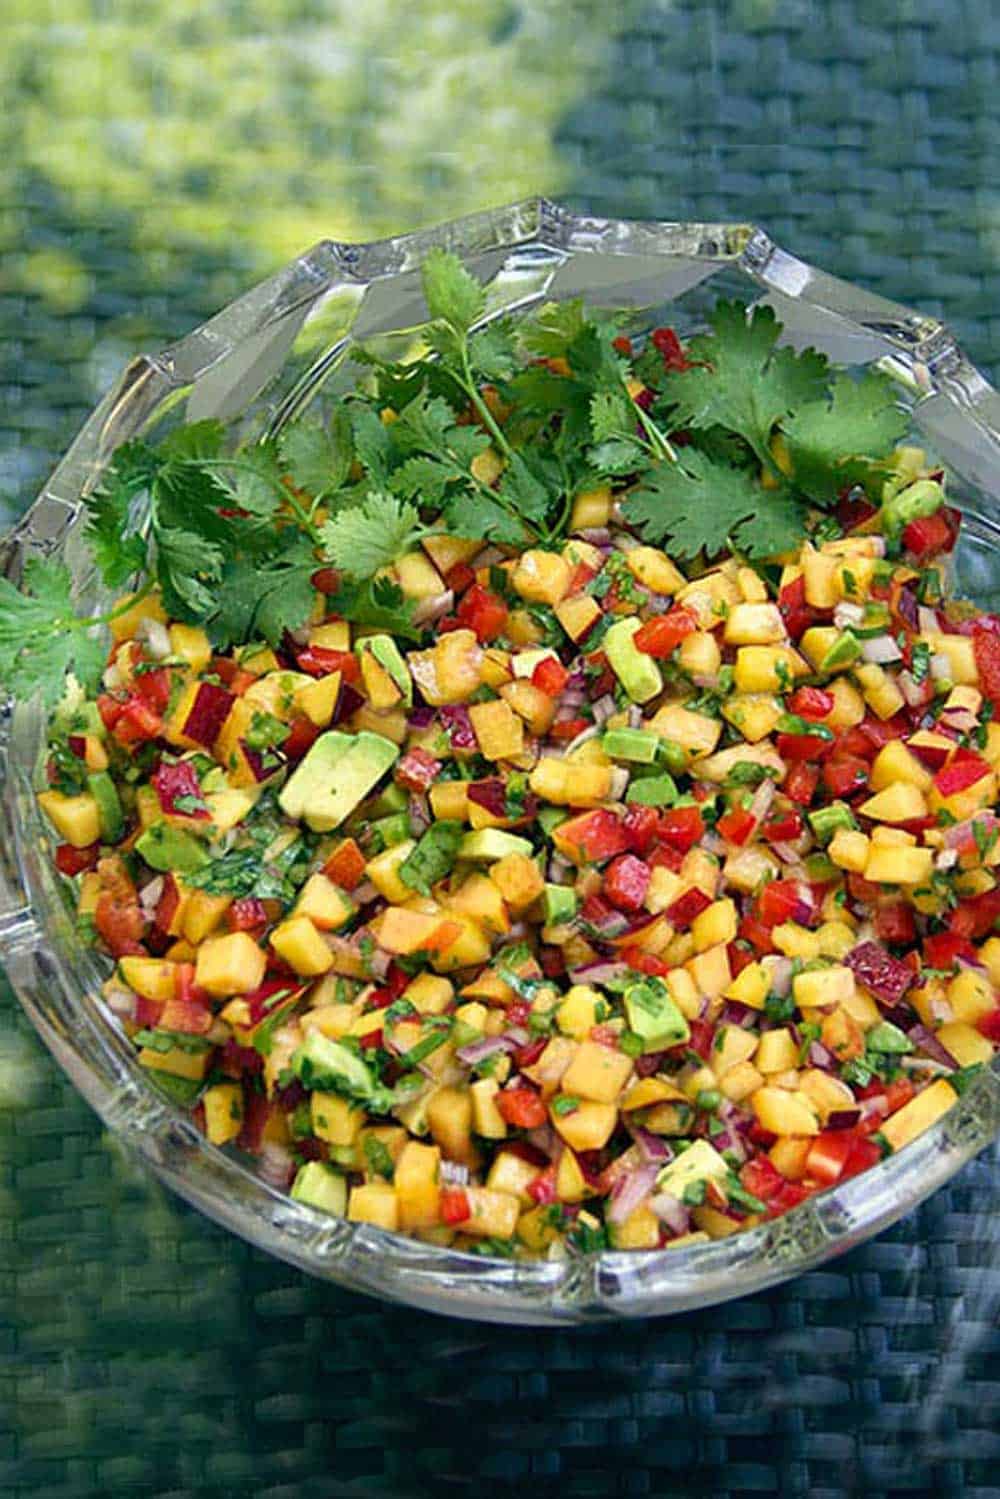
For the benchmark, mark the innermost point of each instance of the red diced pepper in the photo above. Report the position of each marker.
(521, 1107)
(302, 735)
(483, 612)
(929, 535)
(154, 688)
(682, 827)
(989, 1025)
(701, 1038)
(800, 783)
(899, 1093)
(811, 702)
(751, 929)
(626, 881)
(783, 827)
(844, 774)
(864, 1153)
(454, 1205)
(667, 344)
(736, 825)
(761, 1178)
(71, 861)
(598, 835)
(687, 906)
(784, 900)
(641, 826)
(828, 1155)
(644, 962)
(417, 770)
(568, 728)
(895, 923)
(110, 710)
(797, 614)
(320, 661)
(137, 723)
(943, 949)
(804, 746)
(791, 1194)
(542, 1188)
(986, 652)
(550, 676)
(963, 771)
(460, 577)
(661, 635)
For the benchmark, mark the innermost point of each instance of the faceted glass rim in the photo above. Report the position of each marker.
(920, 352)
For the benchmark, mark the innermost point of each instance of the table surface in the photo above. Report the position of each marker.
(142, 1350)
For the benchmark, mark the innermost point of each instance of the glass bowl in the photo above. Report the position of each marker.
(259, 362)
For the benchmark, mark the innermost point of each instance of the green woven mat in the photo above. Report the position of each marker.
(142, 1350)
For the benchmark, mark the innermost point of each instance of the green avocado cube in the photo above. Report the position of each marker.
(560, 904)
(109, 806)
(167, 848)
(637, 672)
(490, 844)
(654, 1016)
(638, 745)
(319, 1186)
(337, 773)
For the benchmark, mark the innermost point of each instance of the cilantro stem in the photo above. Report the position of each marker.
(241, 464)
(472, 391)
(657, 442)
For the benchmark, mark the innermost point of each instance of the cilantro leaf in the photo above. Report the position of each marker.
(554, 327)
(523, 491)
(202, 439)
(492, 351)
(188, 567)
(474, 514)
(830, 439)
(377, 604)
(364, 538)
(743, 382)
(251, 481)
(617, 456)
(611, 415)
(452, 294)
(421, 478)
(118, 551)
(318, 456)
(41, 636)
(697, 505)
(372, 443)
(265, 596)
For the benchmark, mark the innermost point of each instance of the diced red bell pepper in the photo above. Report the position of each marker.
(568, 728)
(667, 344)
(302, 735)
(687, 906)
(542, 1189)
(828, 1154)
(791, 1194)
(751, 929)
(740, 957)
(600, 676)
(864, 1153)
(148, 1011)
(597, 835)
(986, 652)
(641, 826)
(976, 916)
(417, 769)
(943, 949)
(797, 614)
(736, 825)
(622, 345)
(521, 1107)
(811, 702)
(663, 856)
(800, 783)
(346, 865)
(247, 914)
(550, 676)
(320, 661)
(483, 612)
(644, 962)
(173, 783)
(110, 709)
(453, 1205)
(761, 1178)
(326, 580)
(71, 861)
(844, 774)
(929, 535)
(799, 747)
(661, 635)
(962, 771)
(701, 1038)
(137, 723)
(783, 827)
(682, 827)
(989, 1025)
(899, 1093)
(895, 922)
(784, 900)
(460, 577)
(626, 881)
(154, 688)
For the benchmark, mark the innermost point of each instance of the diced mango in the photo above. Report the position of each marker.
(518, 879)
(696, 733)
(75, 818)
(823, 986)
(967, 1045)
(894, 763)
(541, 577)
(900, 802)
(375, 1203)
(416, 1181)
(450, 671)
(154, 978)
(233, 964)
(486, 1117)
(919, 1114)
(568, 784)
(776, 1051)
(596, 1072)
(223, 1104)
(588, 1127)
(783, 1112)
(755, 624)
(899, 865)
(498, 730)
(578, 615)
(298, 942)
(766, 668)
(335, 1119)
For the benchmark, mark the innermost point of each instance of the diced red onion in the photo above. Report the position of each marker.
(940, 667)
(604, 708)
(634, 716)
(455, 719)
(927, 620)
(584, 736)
(671, 1212)
(929, 1044)
(364, 892)
(653, 1148)
(846, 614)
(780, 975)
(870, 1107)
(122, 1002)
(573, 697)
(596, 535)
(150, 894)
(659, 603)
(599, 972)
(962, 720)
(419, 813)
(787, 853)
(454, 1173)
(820, 1056)
(735, 1013)
(630, 1191)
(845, 1118)
(713, 843)
(517, 1035)
(275, 1164)
(478, 1051)
(420, 716)
(380, 962)
(762, 799)
(435, 607)
(881, 649)
(619, 783)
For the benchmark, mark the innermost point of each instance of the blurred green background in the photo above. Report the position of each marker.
(157, 159)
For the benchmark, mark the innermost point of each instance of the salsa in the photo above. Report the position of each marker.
(552, 803)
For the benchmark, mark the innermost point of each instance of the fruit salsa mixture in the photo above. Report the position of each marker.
(548, 803)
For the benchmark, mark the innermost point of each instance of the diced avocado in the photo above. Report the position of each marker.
(652, 791)
(700, 1162)
(639, 745)
(76, 716)
(392, 830)
(167, 848)
(560, 904)
(637, 672)
(387, 654)
(654, 1016)
(336, 774)
(826, 821)
(390, 799)
(433, 857)
(109, 806)
(887, 1038)
(492, 843)
(923, 497)
(845, 649)
(331, 1067)
(321, 1187)
(549, 818)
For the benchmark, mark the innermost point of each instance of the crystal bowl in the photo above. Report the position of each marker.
(259, 362)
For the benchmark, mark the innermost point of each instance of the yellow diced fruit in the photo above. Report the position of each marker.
(518, 879)
(971, 995)
(740, 1081)
(878, 689)
(751, 585)
(202, 914)
(596, 1072)
(776, 1051)
(479, 898)
(919, 1114)
(823, 986)
(960, 653)
(429, 993)
(233, 964)
(795, 941)
(75, 818)
(418, 577)
(694, 732)
(177, 1063)
(754, 714)
(783, 1112)
(848, 704)
(487, 466)
(895, 763)
(512, 1174)
(416, 1181)
(498, 730)
(788, 1155)
(962, 805)
(664, 887)
(765, 668)
(379, 687)
(324, 903)
(531, 704)
(228, 808)
(732, 1046)
(710, 971)
(492, 1215)
(383, 871)
(375, 1203)
(750, 987)
(449, 801)
(699, 655)
(654, 570)
(836, 939)
(535, 1228)
(900, 802)
(319, 699)
(717, 923)
(900, 865)
(334, 636)
(470, 946)
(820, 572)
(577, 1015)
(300, 945)
(450, 671)
(223, 1105)
(334, 1119)
(640, 1230)
(129, 612)
(684, 993)
(849, 849)
(192, 644)
(449, 1117)
(588, 1127)
(571, 1184)
(989, 954)
(541, 577)
(153, 978)
(591, 508)
(967, 1045)
(486, 1117)
(569, 784)
(447, 551)
(578, 615)
(755, 624)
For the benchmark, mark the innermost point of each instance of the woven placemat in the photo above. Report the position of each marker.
(144, 1351)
